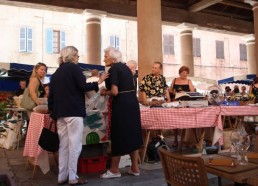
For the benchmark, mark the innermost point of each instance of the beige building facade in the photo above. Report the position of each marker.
(29, 36)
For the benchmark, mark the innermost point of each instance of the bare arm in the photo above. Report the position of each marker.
(144, 99)
(167, 95)
(192, 89)
(171, 88)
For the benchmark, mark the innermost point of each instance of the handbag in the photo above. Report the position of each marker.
(27, 101)
(49, 139)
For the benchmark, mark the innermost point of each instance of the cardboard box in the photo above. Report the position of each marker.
(92, 165)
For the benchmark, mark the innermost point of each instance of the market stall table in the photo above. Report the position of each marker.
(183, 118)
(178, 118)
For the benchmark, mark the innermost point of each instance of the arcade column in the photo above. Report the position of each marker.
(93, 36)
(251, 59)
(149, 35)
(186, 46)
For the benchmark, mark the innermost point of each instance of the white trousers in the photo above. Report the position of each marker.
(70, 132)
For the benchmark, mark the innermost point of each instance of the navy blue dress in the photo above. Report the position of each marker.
(125, 117)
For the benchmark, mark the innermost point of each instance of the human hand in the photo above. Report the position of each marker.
(103, 77)
(103, 92)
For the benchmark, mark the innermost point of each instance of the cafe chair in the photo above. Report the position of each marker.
(181, 170)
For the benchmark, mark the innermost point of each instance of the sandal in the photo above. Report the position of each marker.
(62, 182)
(109, 174)
(133, 173)
(79, 181)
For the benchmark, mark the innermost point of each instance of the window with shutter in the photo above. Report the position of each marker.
(197, 47)
(29, 40)
(117, 46)
(25, 39)
(49, 41)
(114, 41)
(243, 52)
(168, 44)
(219, 49)
(55, 41)
(62, 39)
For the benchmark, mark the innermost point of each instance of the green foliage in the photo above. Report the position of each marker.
(3, 105)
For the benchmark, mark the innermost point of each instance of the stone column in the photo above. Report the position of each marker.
(186, 46)
(149, 35)
(251, 59)
(93, 36)
(255, 11)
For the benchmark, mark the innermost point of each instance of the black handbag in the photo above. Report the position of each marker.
(49, 139)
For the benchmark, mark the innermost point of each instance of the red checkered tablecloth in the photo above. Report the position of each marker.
(239, 110)
(180, 118)
(31, 148)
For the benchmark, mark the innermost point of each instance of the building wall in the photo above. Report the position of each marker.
(74, 25)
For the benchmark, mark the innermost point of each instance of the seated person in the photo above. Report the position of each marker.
(154, 88)
(227, 91)
(22, 87)
(243, 91)
(46, 88)
(181, 84)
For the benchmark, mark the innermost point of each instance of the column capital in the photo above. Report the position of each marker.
(249, 39)
(186, 28)
(90, 13)
(253, 3)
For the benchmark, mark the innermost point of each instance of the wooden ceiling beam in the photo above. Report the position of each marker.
(202, 5)
(237, 5)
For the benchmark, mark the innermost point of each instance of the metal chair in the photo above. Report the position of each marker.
(183, 171)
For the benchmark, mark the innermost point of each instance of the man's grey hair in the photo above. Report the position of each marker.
(114, 53)
(131, 63)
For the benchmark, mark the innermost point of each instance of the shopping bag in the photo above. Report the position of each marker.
(27, 101)
(49, 139)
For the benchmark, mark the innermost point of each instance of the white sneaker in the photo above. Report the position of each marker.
(133, 173)
(109, 174)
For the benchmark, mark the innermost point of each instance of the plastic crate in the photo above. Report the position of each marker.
(94, 150)
(92, 165)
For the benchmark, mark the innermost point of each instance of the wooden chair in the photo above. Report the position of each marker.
(183, 171)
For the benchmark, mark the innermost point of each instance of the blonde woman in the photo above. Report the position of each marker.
(36, 88)
(66, 103)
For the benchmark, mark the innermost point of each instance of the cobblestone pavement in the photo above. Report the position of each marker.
(13, 164)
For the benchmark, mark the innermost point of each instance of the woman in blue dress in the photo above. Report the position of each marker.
(125, 122)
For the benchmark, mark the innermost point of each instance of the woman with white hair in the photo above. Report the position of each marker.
(125, 122)
(66, 103)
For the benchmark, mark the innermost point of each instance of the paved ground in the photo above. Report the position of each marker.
(13, 164)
